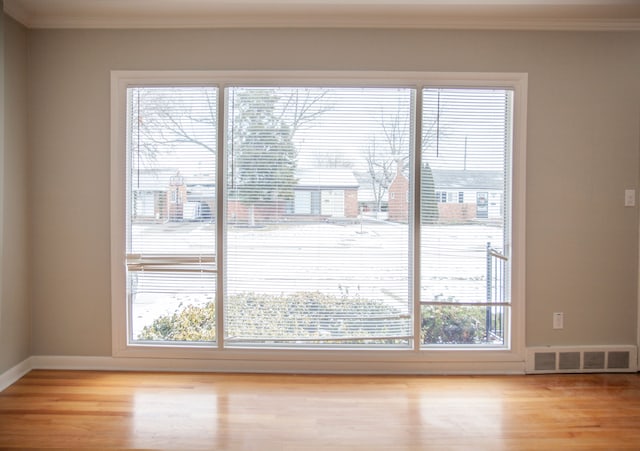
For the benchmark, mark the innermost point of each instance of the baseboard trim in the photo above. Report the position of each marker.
(85, 363)
(271, 366)
(10, 376)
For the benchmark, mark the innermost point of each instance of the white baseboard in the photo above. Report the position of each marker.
(315, 367)
(10, 376)
(270, 366)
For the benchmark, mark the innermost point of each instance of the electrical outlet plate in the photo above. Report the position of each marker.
(558, 320)
(629, 198)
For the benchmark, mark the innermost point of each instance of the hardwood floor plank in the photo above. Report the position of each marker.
(113, 410)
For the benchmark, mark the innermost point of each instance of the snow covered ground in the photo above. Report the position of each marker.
(370, 260)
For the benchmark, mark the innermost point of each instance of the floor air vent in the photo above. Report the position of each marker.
(582, 359)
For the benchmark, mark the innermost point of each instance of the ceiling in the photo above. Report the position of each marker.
(609, 15)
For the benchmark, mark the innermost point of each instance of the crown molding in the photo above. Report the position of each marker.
(17, 12)
(409, 22)
(571, 15)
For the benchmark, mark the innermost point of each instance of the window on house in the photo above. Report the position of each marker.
(287, 255)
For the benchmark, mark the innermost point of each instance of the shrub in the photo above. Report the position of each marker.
(192, 323)
(315, 315)
(263, 317)
(449, 324)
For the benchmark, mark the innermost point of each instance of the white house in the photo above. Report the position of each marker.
(326, 192)
(465, 194)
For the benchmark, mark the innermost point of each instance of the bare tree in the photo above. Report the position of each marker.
(396, 133)
(380, 169)
(387, 159)
(302, 106)
(262, 155)
(388, 156)
(165, 122)
(331, 160)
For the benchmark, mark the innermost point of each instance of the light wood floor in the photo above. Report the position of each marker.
(81, 410)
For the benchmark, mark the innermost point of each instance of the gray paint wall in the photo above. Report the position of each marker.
(583, 151)
(15, 317)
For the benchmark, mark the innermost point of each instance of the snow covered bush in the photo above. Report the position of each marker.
(263, 316)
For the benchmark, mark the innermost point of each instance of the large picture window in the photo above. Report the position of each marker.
(339, 214)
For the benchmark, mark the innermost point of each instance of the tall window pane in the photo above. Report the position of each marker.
(171, 204)
(318, 214)
(465, 239)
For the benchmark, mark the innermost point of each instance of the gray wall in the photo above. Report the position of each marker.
(583, 138)
(15, 317)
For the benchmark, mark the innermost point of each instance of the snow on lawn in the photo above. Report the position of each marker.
(368, 260)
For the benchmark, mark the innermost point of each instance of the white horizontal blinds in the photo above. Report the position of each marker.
(464, 234)
(317, 217)
(172, 307)
(171, 209)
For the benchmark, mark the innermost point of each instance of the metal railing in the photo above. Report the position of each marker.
(496, 294)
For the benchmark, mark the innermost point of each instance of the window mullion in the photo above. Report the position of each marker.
(414, 264)
(221, 206)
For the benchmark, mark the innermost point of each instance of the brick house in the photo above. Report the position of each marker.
(399, 198)
(462, 195)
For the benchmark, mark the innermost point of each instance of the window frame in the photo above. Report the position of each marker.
(458, 359)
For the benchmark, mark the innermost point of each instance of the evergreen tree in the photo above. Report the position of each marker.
(429, 204)
(262, 156)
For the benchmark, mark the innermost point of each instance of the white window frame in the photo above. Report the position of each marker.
(428, 360)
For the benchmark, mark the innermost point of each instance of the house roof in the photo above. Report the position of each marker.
(326, 178)
(365, 191)
(160, 180)
(152, 179)
(470, 180)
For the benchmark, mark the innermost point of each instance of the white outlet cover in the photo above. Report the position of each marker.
(629, 198)
(558, 320)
